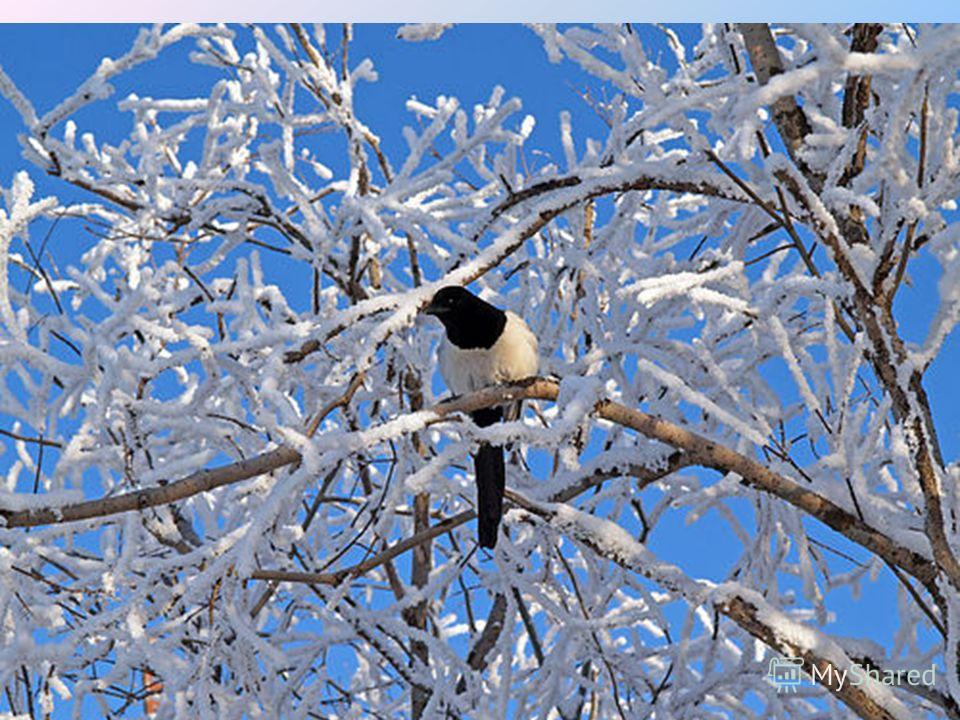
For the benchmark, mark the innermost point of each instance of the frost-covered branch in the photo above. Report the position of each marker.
(231, 481)
(696, 449)
(823, 657)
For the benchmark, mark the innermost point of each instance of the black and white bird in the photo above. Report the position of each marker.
(484, 346)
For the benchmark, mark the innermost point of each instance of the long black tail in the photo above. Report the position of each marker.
(491, 478)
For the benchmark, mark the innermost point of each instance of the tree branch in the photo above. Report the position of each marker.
(701, 450)
(788, 116)
(747, 608)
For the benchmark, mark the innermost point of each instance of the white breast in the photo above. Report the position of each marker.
(513, 357)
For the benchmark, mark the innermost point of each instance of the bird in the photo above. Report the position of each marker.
(484, 346)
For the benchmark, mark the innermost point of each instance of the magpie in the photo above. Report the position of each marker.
(484, 346)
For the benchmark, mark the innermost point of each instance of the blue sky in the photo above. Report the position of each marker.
(48, 62)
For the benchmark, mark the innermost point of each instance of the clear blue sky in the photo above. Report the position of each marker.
(48, 62)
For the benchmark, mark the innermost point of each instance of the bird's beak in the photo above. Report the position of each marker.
(432, 309)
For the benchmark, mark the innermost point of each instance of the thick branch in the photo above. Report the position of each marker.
(749, 614)
(856, 92)
(701, 450)
(748, 609)
(788, 116)
(193, 484)
(856, 98)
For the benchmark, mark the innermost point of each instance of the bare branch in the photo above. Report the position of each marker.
(788, 116)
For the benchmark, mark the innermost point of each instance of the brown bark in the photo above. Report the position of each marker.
(746, 608)
(790, 119)
(703, 451)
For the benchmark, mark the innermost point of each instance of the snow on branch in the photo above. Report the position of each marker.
(745, 607)
(232, 480)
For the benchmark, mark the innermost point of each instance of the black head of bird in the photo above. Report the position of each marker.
(470, 322)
